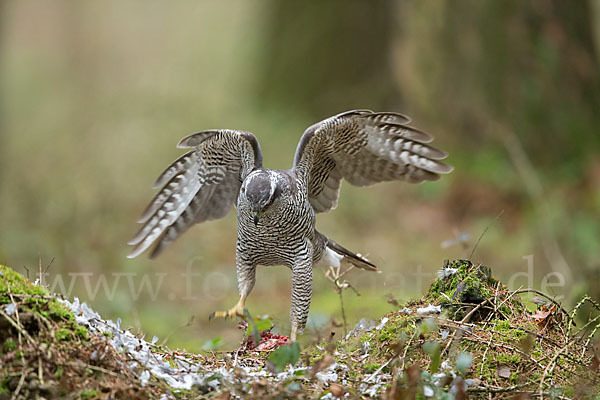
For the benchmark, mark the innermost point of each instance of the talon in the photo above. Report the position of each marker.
(238, 310)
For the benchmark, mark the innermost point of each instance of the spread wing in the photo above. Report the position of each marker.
(199, 186)
(363, 147)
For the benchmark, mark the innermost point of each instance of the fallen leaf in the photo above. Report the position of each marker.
(337, 390)
(503, 371)
(321, 364)
(542, 315)
(268, 344)
(595, 363)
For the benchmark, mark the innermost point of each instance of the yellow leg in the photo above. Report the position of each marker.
(293, 334)
(237, 310)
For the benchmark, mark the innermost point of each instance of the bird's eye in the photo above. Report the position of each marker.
(271, 201)
(243, 189)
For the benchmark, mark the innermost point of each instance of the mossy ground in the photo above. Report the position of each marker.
(46, 354)
(511, 350)
(484, 344)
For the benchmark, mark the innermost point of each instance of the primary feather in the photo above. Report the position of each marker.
(364, 148)
(201, 185)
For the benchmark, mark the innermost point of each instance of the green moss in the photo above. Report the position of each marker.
(467, 283)
(9, 345)
(49, 308)
(4, 386)
(503, 326)
(569, 392)
(18, 285)
(58, 311)
(81, 332)
(510, 358)
(371, 367)
(399, 327)
(62, 334)
(314, 353)
(89, 394)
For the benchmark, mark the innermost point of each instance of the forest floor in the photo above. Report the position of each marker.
(467, 337)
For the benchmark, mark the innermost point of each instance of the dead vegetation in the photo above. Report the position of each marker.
(468, 337)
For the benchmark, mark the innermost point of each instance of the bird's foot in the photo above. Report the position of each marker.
(237, 310)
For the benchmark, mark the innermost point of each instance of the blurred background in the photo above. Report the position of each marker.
(95, 96)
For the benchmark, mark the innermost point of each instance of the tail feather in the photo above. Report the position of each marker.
(347, 256)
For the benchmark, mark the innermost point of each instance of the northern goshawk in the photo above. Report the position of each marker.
(276, 208)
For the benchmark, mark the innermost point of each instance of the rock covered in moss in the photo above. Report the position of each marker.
(461, 285)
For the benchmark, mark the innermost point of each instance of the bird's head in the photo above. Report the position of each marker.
(261, 189)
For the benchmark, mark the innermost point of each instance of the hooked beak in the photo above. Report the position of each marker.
(255, 219)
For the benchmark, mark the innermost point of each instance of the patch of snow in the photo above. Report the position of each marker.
(365, 325)
(384, 321)
(428, 391)
(328, 375)
(10, 309)
(366, 346)
(144, 378)
(362, 326)
(430, 309)
(330, 396)
(446, 365)
(182, 373)
(373, 390)
(446, 272)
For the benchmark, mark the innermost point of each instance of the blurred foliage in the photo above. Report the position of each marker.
(284, 356)
(321, 58)
(531, 66)
(95, 95)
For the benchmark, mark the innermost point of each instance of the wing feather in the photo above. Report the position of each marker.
(364, 147)
(201, 185)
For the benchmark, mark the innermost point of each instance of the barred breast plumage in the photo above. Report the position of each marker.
(276, 208)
